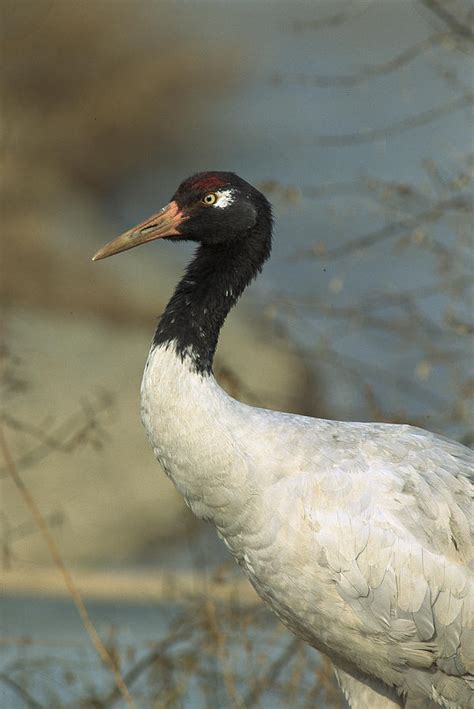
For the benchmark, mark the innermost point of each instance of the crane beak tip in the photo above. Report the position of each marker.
(164, 223)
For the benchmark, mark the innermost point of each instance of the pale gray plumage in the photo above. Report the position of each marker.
(359, 536)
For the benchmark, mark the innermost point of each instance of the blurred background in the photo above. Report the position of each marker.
(355, 118)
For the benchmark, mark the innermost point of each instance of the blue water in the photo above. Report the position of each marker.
(46, 652)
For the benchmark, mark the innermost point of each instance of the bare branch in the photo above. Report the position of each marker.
(355, 367)
(272, 673)
(391, 230)
(369, 72)
(333, 20)
(64, 571)
(182, 632)
(76, 430)
(455, 25)
(21, 691)
(221, 652)
(420, 119)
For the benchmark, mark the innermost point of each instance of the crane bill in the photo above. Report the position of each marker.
(164, 223)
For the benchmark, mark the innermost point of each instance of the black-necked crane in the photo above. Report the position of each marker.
(359, 536)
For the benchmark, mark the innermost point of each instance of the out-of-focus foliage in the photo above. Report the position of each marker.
(395, 347)
(211, 655)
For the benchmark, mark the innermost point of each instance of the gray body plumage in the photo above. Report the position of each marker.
(359, 536)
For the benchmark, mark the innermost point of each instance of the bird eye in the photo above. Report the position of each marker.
(209, 199)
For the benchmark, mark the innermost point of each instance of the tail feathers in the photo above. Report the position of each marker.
(453, 692)
(360, 695)
(444, 690)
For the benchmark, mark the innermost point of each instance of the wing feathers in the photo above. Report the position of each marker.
(389, 510)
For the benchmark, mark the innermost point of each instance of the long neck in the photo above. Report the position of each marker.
(212, 284)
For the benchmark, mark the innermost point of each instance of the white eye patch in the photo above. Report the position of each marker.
(224, 198)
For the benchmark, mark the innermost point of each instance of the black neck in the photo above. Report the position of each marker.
(212, 284)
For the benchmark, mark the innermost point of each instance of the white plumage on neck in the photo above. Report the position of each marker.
(348, 530)
(192, 426)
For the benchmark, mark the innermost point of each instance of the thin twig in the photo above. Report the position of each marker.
(455, 25)
(157, 654)
(399, 127)
(370, 72)
(60, 565)
(229, 679)
(333, 20)
(21, 691)
(394, 228)
(67, 437)
(272, 673)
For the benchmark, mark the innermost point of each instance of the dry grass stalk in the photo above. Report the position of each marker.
(219, 638)
(68, 580)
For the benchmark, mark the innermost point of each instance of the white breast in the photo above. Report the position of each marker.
(341, 527)
(190, 422)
